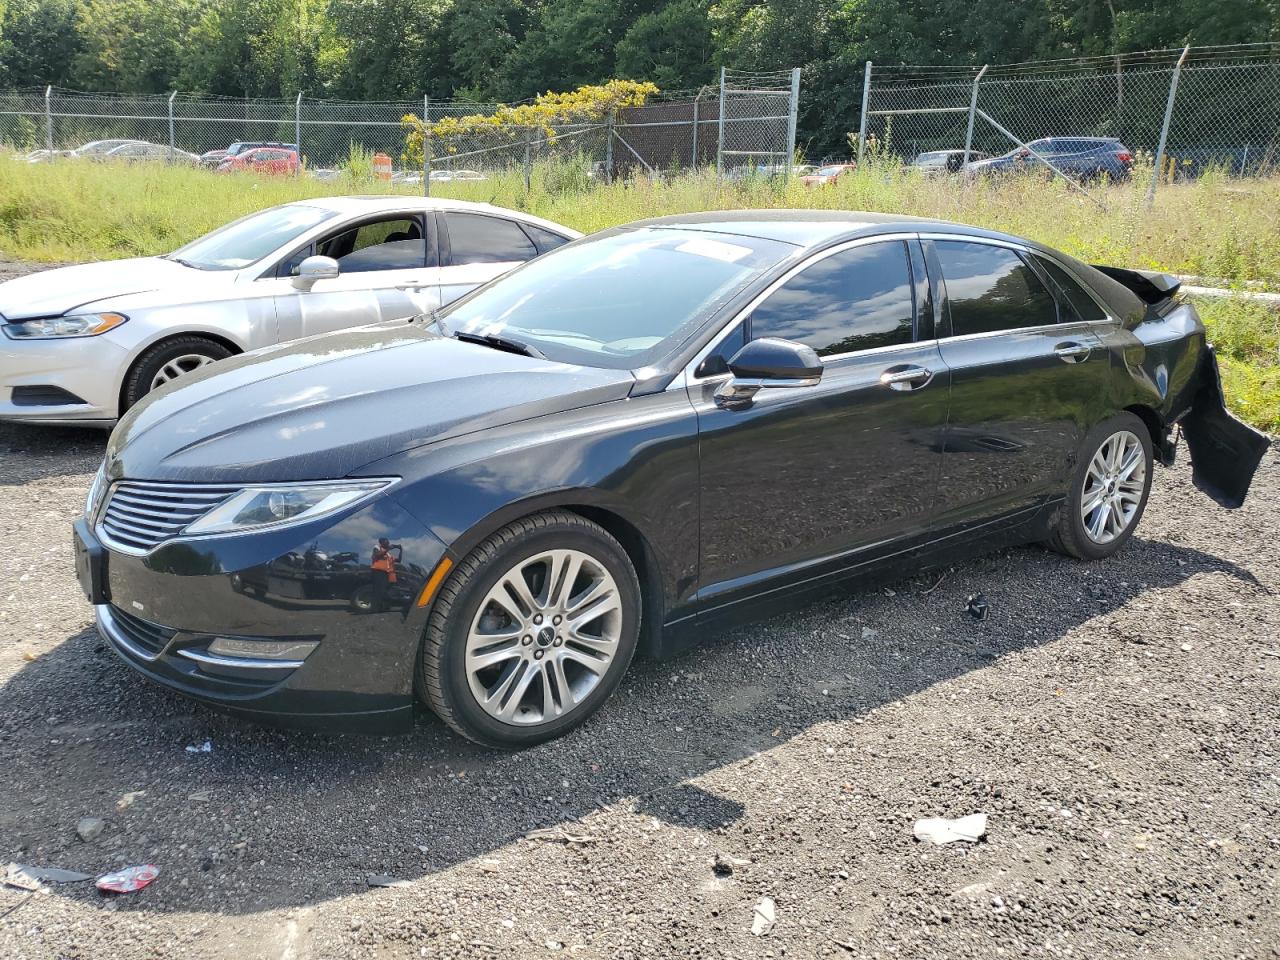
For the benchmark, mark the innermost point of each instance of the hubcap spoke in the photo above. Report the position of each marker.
(543, 637)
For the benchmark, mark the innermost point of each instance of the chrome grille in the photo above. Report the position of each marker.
(141, 514)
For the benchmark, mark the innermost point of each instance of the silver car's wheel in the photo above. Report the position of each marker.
(178, 366)
(544, 637)
(532, 631)
(168, 360)
(1114, 486)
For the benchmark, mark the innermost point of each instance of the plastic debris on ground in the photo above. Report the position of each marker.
(763, 920)
(378, 880)
(940, 830)
(26, 877)
(128, 879)
(976, 607)
(206, 747)
(90, 828)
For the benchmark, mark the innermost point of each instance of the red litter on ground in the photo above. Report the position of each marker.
(129, 879)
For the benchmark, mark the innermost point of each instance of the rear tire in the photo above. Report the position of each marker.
(532, 631)
(1108, 492)
(167, 361)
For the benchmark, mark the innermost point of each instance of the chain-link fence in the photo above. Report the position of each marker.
(744, 123)
(1180, 111)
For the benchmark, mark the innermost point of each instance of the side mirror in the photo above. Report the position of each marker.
(313, 269)
(765, 364)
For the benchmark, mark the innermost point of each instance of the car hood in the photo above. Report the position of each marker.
(54, 292)
(323, 407)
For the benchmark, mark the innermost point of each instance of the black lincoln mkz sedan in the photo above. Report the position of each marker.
(649, 430)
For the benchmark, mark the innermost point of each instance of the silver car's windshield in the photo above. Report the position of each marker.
(250, 238)
(619, 301)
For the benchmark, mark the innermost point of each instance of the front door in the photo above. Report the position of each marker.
(388, 271)
(808, 481)
(1029, 378)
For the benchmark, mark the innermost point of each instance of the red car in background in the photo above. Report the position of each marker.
(268, 160)
(827, 174)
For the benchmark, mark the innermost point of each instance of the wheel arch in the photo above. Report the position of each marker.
(1156, 427)
(650, 570)
(219, 338)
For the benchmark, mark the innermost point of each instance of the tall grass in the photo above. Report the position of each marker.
(1225, 230)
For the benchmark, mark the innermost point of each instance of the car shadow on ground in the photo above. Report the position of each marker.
(284, 818)
(30, 452)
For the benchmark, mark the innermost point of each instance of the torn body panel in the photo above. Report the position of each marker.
(1173, 378)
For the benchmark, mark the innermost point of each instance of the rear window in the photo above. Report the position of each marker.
(1082, 305)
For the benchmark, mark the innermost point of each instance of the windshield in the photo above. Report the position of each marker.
(932, 159)
(831, 171)
(619, 301)
(250, 238)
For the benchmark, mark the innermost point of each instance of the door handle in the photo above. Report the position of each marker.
(414, 285)
(906, 378)
(1072, 352)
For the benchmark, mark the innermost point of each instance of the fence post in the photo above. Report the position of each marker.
(173, 146)
(720, 129)
(1164, 129)
(693, 154)
(297, 132)
(48, 119)
(791, 122)
(528, 163)
(973, 109)
(608, 150)
(862, 124)
(426, 146)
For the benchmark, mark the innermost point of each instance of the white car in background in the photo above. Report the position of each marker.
(80, 345)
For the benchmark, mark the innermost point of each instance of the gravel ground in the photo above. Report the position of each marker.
(1117, 721)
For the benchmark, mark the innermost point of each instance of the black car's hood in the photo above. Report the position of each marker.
(323, 407)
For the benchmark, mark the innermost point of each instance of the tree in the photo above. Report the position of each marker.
(39, 42)
(671, 46)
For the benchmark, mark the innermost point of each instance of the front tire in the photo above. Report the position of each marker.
(531, 632)
(169, 360)
(1109, 490)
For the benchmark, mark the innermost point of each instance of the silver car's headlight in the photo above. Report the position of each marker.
(273, 505)
(96, 489)
(49, 328)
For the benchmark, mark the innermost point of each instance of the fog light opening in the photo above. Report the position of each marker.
(239, 648)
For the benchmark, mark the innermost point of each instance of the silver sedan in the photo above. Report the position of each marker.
(82, 344)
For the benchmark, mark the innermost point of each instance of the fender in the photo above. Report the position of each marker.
(633, 461)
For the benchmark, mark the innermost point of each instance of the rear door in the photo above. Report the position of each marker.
(806, 482)
(476, 247)
(1029, 378)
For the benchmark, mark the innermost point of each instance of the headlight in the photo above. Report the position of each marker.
(276, 505)
(96, 489)
(84, 325)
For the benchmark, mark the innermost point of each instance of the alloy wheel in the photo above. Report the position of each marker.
(544, 637)
(179, 366)
(1113, 487)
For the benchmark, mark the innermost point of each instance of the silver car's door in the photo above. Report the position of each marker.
(389, 271)
(476, 247)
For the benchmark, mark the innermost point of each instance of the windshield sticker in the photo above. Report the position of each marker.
(714, 249)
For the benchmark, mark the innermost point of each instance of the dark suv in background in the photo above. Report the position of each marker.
(1085, 158)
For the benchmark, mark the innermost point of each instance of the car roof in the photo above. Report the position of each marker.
(811, 228)
(374, 204)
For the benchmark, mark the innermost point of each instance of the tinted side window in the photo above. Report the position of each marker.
(990, 288)
(854, 300)
(545, 239)
(478, 239)
(1083, 305)
(394, 244)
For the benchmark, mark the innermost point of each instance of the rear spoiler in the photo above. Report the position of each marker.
(1151, 286)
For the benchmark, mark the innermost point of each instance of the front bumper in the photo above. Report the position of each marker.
(160, 613)
(91, 368)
